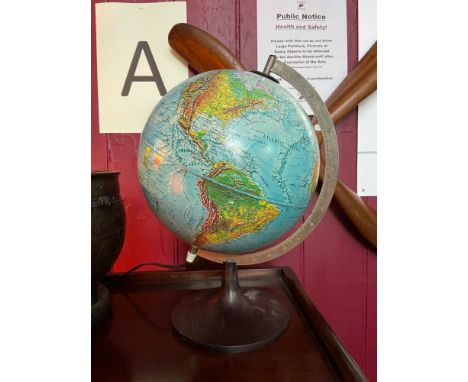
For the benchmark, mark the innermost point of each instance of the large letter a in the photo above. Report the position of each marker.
(131, 77)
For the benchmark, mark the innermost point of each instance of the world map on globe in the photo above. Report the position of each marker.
(228, 161)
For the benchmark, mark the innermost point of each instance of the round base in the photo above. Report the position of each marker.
(101, 309)
(229, 320)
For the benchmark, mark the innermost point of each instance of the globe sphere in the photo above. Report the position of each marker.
(228, 161)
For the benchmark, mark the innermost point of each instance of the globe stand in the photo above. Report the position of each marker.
(230, 319)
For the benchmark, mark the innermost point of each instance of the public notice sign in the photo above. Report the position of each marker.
(308, 35)
(135, 64)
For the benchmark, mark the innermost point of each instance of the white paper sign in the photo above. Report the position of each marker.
(367, 109)
(308, 35)
(135, 64)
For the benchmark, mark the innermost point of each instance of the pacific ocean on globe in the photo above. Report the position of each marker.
(228, 161)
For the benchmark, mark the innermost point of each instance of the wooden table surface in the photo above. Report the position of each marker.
(137, 343)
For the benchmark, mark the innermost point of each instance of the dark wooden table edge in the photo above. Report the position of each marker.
(167, 278)
(340, 360)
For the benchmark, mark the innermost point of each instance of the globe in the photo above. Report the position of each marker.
(228, 161)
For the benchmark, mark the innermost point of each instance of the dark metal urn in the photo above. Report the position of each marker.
(107, 237)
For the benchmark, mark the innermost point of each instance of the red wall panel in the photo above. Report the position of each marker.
(337, 269)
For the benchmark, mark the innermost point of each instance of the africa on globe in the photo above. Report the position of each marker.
(228, 161)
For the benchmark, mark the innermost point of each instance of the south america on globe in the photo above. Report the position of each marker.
(228, 161)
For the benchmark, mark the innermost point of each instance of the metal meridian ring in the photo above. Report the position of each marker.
(328, 184)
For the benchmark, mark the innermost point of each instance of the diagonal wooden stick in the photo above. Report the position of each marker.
(358, 85)
(204, 52)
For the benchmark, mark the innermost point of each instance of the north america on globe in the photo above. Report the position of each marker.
(228, 161)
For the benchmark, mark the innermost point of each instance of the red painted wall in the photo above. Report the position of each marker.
(337, 269)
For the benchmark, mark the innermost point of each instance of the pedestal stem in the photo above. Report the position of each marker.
(230, 292)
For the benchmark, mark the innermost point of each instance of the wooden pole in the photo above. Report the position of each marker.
(202, 51)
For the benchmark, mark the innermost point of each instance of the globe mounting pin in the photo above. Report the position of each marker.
(269, 64)
(191, 254)
(268, 68)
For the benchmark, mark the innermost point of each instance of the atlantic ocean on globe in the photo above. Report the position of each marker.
(228, 161)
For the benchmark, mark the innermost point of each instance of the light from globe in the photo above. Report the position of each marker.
(228, 161)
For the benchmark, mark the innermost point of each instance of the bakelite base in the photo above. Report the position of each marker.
(230, 319)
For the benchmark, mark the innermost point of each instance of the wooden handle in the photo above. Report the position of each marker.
(204, 52)
(358, 85)
(201, 50)
(363, 217)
